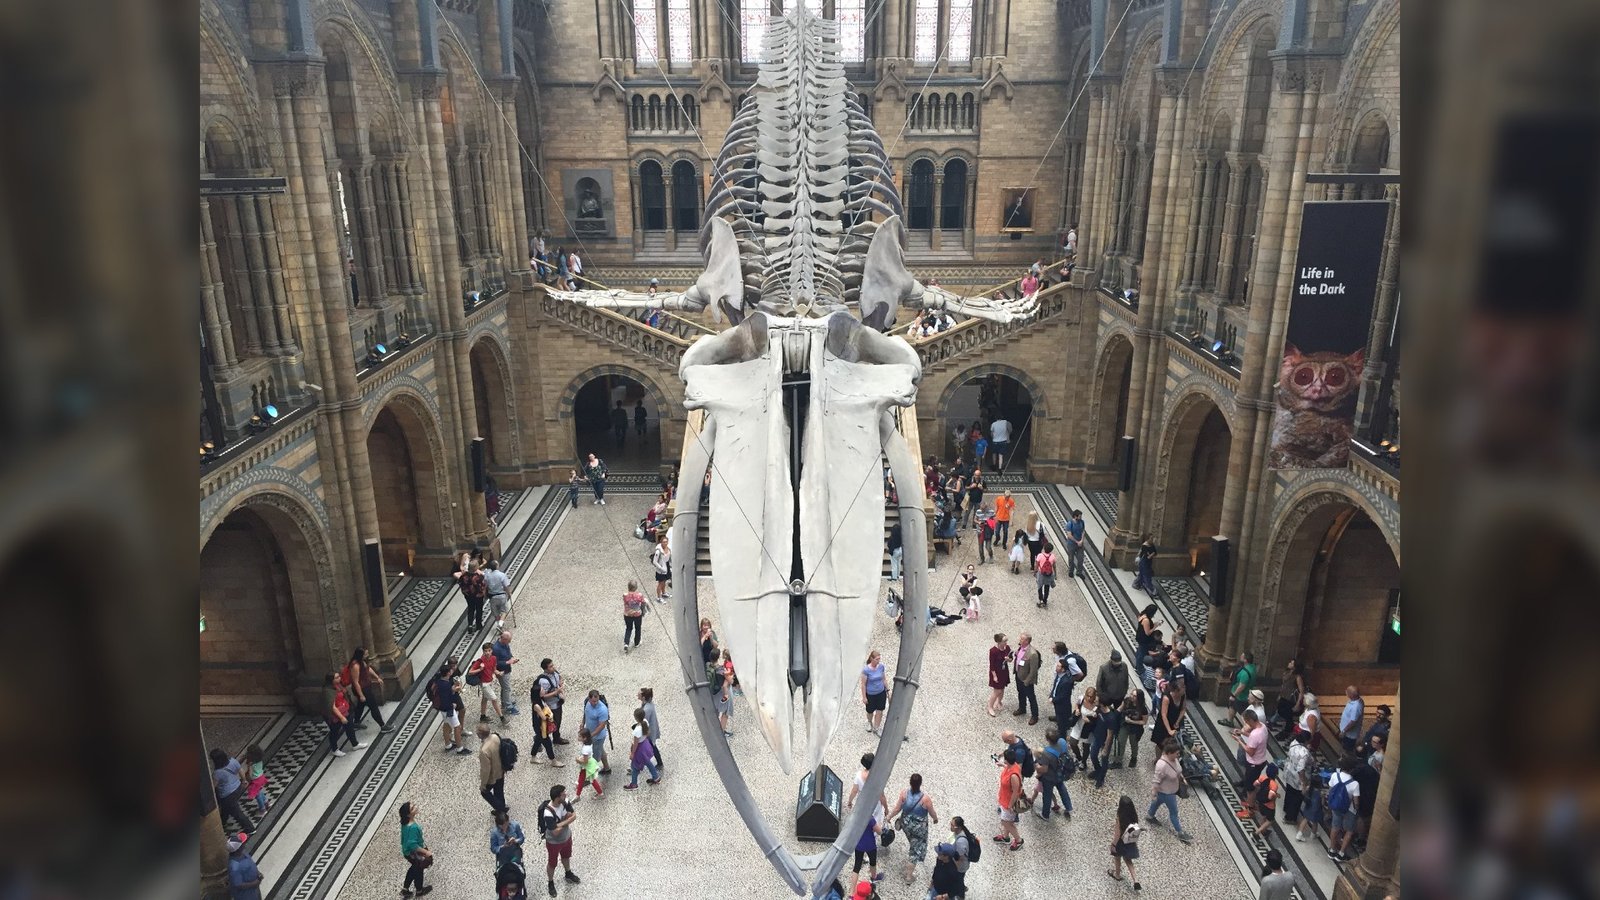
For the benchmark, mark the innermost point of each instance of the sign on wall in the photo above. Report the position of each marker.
(1319, 375)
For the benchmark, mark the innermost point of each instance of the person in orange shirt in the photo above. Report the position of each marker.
(1003, 505)
(1010, 797)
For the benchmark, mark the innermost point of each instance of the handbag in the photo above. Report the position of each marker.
(1022, 803)
(1183, 788)
(638, 530)
(421, 858)
(886, 836)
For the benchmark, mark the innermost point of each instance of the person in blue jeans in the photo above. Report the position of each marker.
(1164, 785)
(1075, 544)
(1107, 724)
(595, 470)
(1058, 756)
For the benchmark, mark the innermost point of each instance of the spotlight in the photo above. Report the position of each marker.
(404, 340)
(208, 450)
(269, 413)
(256, 425)
(1217, 346)
(377, 353)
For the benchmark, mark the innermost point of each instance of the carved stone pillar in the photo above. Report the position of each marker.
(1237, 168)
(239, 260)
(1144, 181)
(213, 296)
(277, 293)
(1373, 406)
(1120, 193)
(937, 218)
(266, 324)
(361, 183)
(1203, 179)
(672, 209)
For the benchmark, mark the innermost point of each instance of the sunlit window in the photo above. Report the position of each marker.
(753, 16)
(960, 31)
(680, 27)
(852, 17)
(925, 46)
(645, 32)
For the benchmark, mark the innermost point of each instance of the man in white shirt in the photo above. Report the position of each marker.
(1343, 824)
(1000, 441)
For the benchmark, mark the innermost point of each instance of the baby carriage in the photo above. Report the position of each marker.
(1197, 771)
(510, 881)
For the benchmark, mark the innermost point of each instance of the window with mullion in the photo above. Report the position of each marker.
(646, 32)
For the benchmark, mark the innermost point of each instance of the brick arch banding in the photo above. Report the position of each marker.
(508, 439)
(666, 409)
(1035, 390)
(1179, 441)
(1115, 354)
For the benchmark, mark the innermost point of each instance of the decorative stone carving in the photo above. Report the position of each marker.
(608, 82)
(997, 81)
(714, 82)
(297, 78)
(889, 79)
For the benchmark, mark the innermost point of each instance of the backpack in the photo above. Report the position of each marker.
(1027, 762)
(974, 849)
(475, 675)
(1083, 666)
(1130, 835)
(540, 815)
(1047, 563)
(1061, 764)
(1339, 793)
(508, 753)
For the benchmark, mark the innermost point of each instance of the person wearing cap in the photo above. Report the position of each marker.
(244, 878)
(1258, 705)
(948, 882)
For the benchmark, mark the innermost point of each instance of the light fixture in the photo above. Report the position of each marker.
(377, 353)
(256, 425)
(202, 623)
(270, 413)
(208, 449)
(404, 340)
(1217, 345)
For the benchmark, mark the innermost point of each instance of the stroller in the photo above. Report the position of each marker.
(510, 880)
(1197, 771)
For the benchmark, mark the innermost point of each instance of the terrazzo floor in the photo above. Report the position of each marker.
(682, 839)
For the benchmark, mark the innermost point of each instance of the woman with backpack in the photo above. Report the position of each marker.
(1296, 771)
(915, 810)
(1291, 698)
(1044, 572)
(641, 753)
(1035, 532)
(1086, 714)
(1169, 714)
(367, 684)
(1125, 841)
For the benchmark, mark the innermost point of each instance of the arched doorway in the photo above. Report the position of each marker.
(265, 636)
(686, 201)
(491, 402)
(1338, 595)
(1192, 498)
(652, 196)
(406, 482)
(953, 196)
(593, 418)
(1111, 413)
(919, 196)
(982, 400)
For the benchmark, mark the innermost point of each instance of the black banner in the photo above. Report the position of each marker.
(1330, 314)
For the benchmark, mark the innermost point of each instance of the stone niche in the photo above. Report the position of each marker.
(589, 202)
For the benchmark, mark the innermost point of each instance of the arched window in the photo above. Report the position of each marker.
(686, 200)
(652, 196)
(919, 191)
(953, 196)
(691, 111)
(952, 117)
(636, 112)
(1244, 244)
(1220, 176)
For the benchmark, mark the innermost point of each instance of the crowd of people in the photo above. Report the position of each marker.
(556, 266)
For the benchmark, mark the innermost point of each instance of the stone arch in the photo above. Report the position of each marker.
(1302, 555)
(1108, 404)
(920, 203)
(1189, 439)
(221, 47)
(424, 473)
(267, 543)
(570, 395)
(1035, 390)
(493, 387)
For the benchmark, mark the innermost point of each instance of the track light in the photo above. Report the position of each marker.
(269, 413)
(377, 353)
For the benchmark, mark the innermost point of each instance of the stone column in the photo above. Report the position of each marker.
(1372, 402)
(1204, 180)
(1119, 190)
(711, 15)
(1144, 174)
(266, 324)
(213, 296)
(361, 182)
(672, 208)
(1237, 168)
(455, 378)
(213, 841)
(277, 293)
(1289, 121)
(383, 208)
(341, 437)
(1375, 874)
(934, 242)
(244, 296)
(1144, 388)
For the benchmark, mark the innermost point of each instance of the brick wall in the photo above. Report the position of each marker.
(242, 596)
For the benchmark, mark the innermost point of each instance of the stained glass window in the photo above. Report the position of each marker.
(925, 48)
(753, 15)
(960, 31)
(852, 17)
(646, 32)
(680, 25)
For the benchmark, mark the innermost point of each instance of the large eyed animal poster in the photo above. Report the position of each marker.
(1319, 375)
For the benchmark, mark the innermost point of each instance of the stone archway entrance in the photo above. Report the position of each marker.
(1338, 593)
(265, 639)
(1111, 405)
(594, 409)
(1191, 499)
(406, 482)
(982, 399)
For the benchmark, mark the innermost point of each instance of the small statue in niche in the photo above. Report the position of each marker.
(589, 205)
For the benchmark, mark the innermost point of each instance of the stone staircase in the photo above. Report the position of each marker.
(959, 344)
(661, 346)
